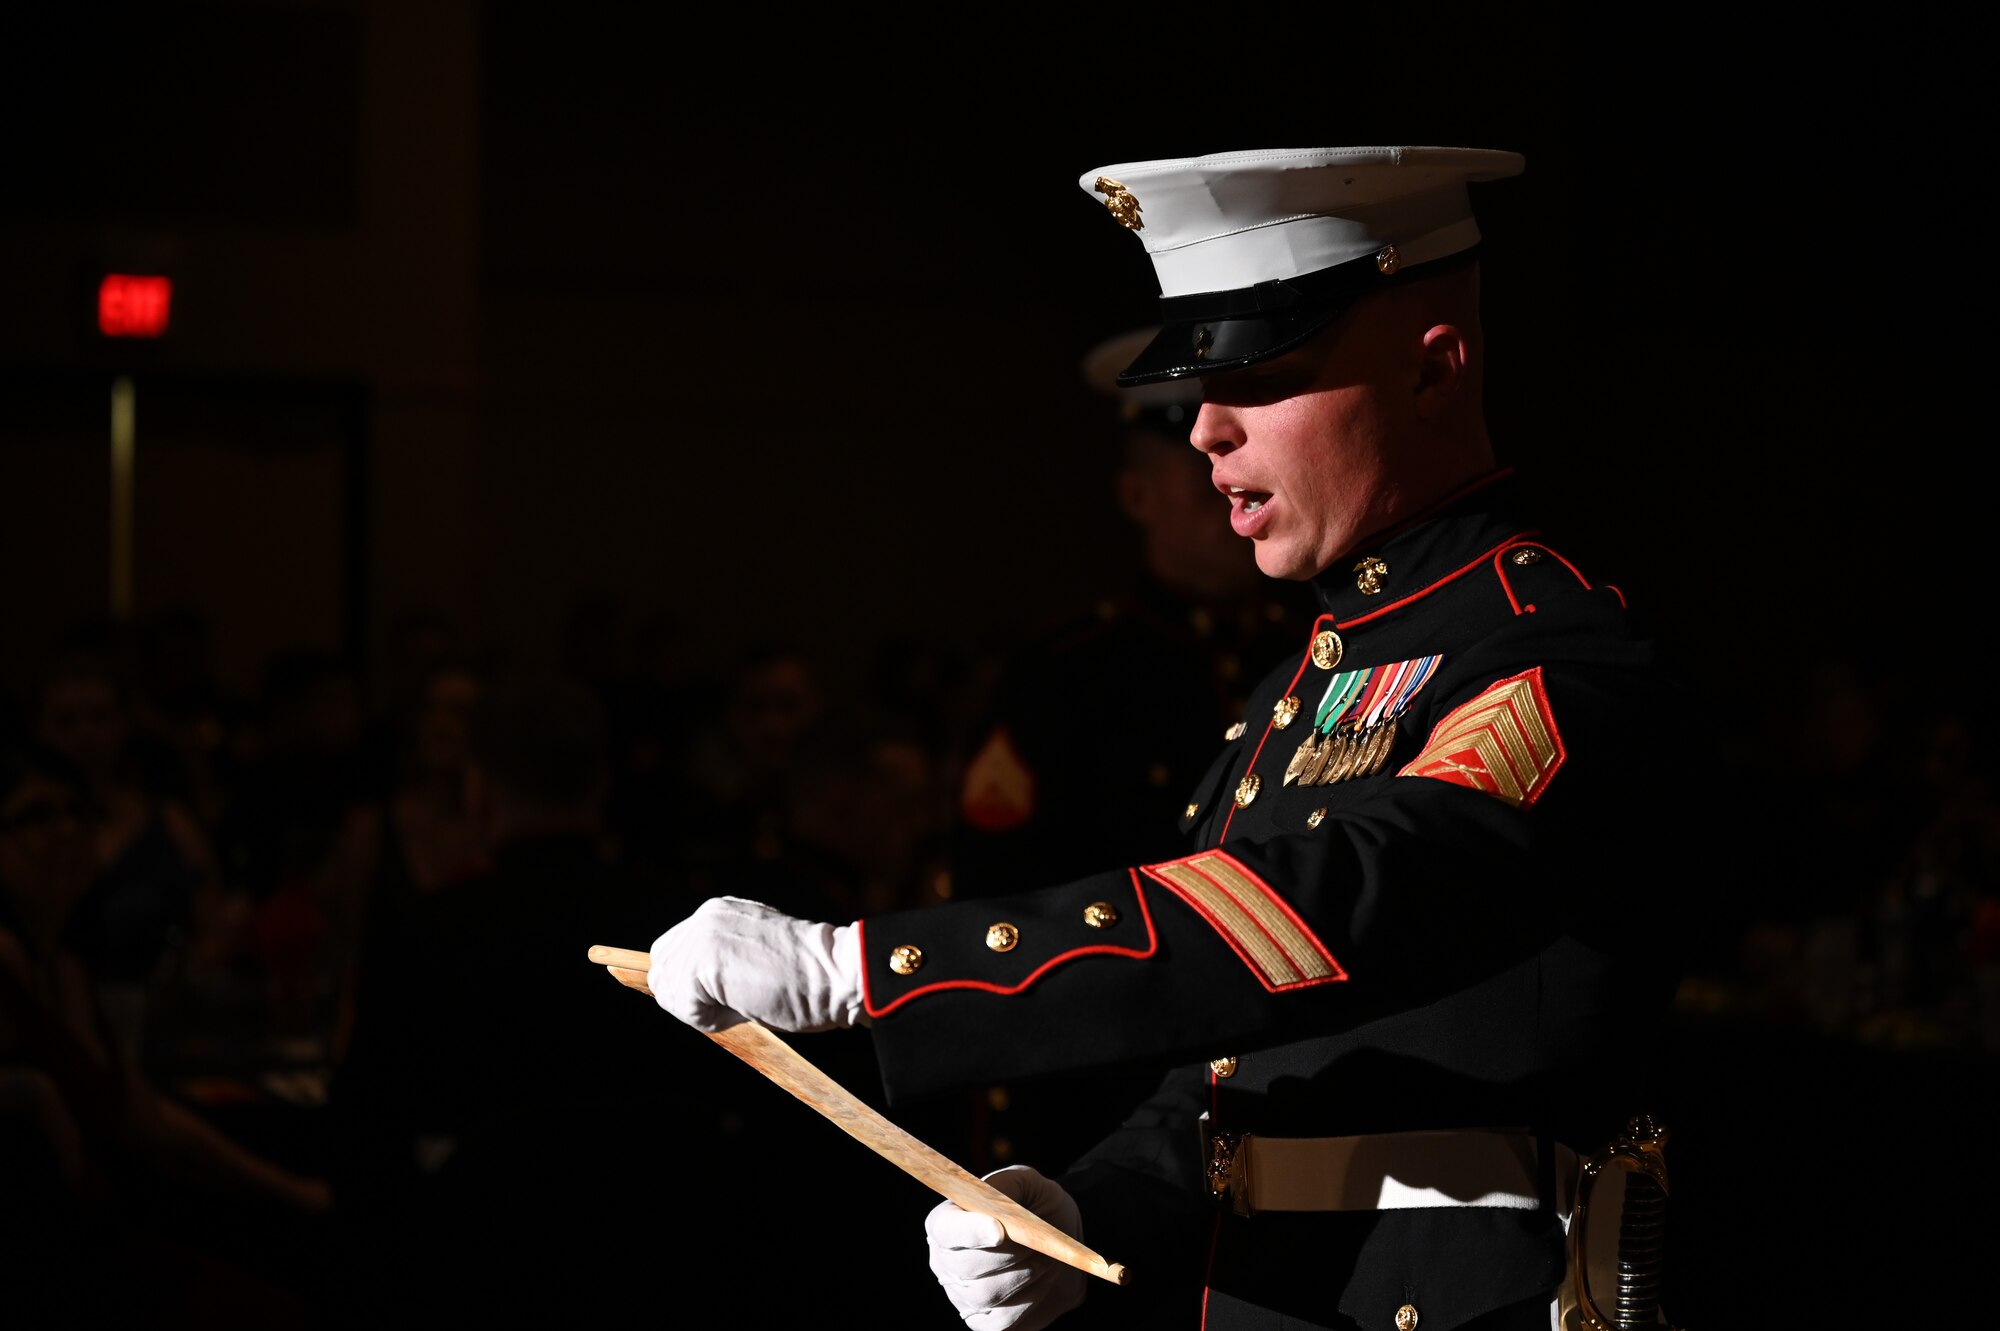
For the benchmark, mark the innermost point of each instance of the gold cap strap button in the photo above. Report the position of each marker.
(1100, 915)
(906, 959)
(1002, 937)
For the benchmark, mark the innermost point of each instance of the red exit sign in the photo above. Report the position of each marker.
(133, 305)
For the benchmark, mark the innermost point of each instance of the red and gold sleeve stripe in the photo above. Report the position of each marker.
(1251, 917)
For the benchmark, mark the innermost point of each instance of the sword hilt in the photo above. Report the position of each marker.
(1636, 1274)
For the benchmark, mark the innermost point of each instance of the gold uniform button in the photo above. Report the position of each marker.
(1100, 915)
(1369, 574)
(906, 959)
(1527, 554)
(1002, 937)
(1406, 1317)
(1191, 811)
(1313, 818)
(1288, 707)
(1222, 1067)
(1235, 731)
(1247, 788)
(1387, 260)
(1327, 648)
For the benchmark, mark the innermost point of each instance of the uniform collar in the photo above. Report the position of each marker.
(1423, 551)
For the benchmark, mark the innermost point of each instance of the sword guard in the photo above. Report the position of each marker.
(1639, 1154)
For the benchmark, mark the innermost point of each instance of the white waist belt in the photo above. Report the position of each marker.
(1384, 1171)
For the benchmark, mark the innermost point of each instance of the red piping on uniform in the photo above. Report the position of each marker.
(1304, 661)
(1517, 538)
(1620, 595)
(1095, 950)
(1500, 568)
(1208, 1272)
(1453, 576)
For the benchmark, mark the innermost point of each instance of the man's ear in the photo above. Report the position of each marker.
(1442, 366)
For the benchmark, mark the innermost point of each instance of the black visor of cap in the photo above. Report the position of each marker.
(1213, 331)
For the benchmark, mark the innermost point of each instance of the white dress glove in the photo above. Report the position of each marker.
(733, 959)
(993, 1281)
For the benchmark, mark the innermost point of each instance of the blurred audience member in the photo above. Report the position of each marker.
(740, 761)
(1931, 933)
(118, 1172)
(418, 641)
(155, 888)
(861, 827)
(495, 1080)
(182, 701)
(423, 835)
(1820, 758)
(284, 833)
(653, 712)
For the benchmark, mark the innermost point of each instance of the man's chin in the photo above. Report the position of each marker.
(1276, 562)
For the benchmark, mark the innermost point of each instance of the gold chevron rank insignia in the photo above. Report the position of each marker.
(1265, 932)
(1503, 742)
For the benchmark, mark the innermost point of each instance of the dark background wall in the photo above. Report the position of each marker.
(758, 327)
(546, 318)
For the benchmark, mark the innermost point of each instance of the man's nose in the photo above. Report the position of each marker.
(1215, 430)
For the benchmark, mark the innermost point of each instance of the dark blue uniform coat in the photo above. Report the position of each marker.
(1470, 930)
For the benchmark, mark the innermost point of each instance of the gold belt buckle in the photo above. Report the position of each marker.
(1226, 1156)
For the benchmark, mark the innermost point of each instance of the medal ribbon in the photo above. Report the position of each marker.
(1396, 695)
(1369, 703)
(1340, 691)
(1373, 693)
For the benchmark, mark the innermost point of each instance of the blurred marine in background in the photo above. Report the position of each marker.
(1097, 729)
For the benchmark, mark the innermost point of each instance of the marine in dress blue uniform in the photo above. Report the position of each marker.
(1414, 949)
(1423, 889)
(1459, 932)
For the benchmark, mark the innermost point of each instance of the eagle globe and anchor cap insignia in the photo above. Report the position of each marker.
(1121, 204)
